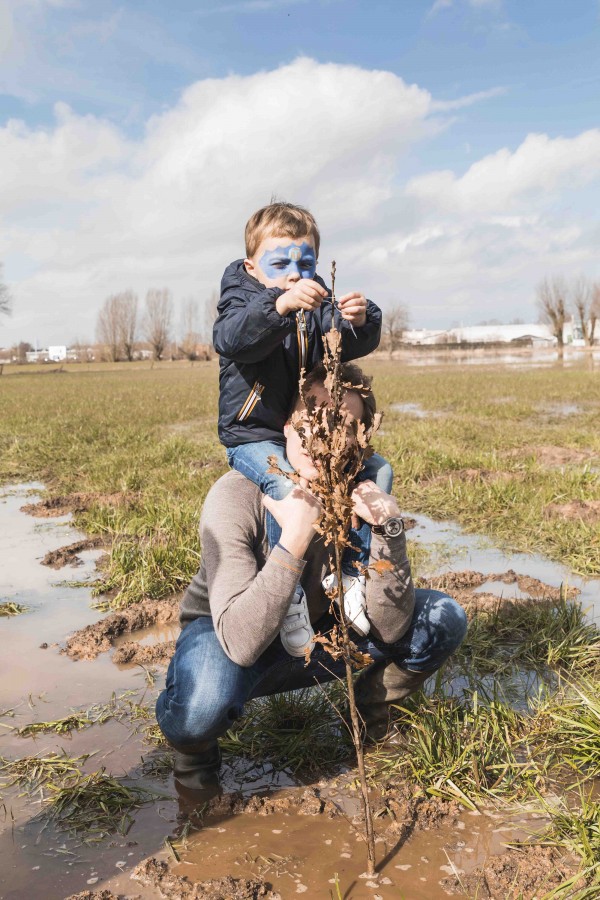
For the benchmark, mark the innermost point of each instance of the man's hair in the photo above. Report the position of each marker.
(280, 219)
(353, 376)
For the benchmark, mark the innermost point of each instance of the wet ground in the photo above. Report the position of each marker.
(297, 843)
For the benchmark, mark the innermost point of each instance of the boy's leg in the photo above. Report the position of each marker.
(252, 461)
(437, 629)
(376, 469)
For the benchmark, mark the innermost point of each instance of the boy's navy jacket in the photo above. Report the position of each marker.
(261, 354)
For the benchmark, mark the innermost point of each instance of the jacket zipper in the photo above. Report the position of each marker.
(302, 339)
(250, 401)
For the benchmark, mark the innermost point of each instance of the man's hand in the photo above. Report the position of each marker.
(297, 514)
(353, 308)
(372, 504)
(304, 294)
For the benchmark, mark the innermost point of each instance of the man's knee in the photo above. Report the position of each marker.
(202, 716)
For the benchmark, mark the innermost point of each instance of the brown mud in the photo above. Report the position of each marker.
(78, 502)
(69, 555)
(586, 510)
(553, 456)
(98, 638)
(257, 839)
(524, 873)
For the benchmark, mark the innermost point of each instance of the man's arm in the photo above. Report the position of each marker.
(390, 595)
(248, 604)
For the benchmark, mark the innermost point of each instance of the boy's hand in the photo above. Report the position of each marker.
(353, 308)
(304, 294)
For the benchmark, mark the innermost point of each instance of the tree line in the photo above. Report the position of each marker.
(559, 298)
(121, 324)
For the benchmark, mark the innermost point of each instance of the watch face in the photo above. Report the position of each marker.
(394, 527)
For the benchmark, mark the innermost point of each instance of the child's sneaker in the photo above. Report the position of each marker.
(355, 600)
(297, 632)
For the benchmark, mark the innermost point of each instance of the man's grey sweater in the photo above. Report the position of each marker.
(247, 589)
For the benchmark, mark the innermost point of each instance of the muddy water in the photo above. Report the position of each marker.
(475, 552)
(296, 853)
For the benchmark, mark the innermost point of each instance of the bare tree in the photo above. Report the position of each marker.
(127, 322)
(157, 319)
(586, 300)
(190, 334)
(108, 332)
(552, 302)
(210, 315)
(5, 298)
(395, 323)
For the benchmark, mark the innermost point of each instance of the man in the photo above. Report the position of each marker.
(229, 650)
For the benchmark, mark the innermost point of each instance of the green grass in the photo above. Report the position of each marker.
(10, 608)
(94, 806)
(299, 731)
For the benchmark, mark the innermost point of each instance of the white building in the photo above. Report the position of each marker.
(58, 353)
(487, 334)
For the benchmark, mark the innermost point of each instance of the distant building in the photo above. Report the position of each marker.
(57, 353)
(489, 334)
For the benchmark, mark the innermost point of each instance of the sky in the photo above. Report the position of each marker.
(449, 149)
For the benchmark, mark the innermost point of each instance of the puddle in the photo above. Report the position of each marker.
(560, 410)
(294, 852)
(415, 410)
(300, 859)
(475, 552)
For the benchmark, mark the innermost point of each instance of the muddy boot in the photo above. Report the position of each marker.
(199, 771)
(384, 684)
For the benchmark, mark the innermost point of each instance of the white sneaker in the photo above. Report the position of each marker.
(297, 632)
(355, 600)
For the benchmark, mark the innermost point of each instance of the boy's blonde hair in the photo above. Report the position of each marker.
(280, 219)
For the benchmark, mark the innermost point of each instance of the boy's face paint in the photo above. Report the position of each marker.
(279, 262)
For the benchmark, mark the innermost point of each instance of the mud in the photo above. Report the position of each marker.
(468, 579)
(527, 873)
(155, 873)
(586, 510)
(142, 655)
(553, 456)
(69, 555)
(94, 895)
(94, 639)
(78, 502)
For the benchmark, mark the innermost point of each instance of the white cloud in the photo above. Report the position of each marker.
(539, 166)
(86, 211)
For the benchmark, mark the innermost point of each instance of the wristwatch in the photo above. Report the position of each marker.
(392, 527)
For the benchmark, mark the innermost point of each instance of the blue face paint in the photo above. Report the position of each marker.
(290, 260)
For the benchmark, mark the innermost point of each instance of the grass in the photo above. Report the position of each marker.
(10, 608)
(298, 731)
(94, 806)
(32, 772)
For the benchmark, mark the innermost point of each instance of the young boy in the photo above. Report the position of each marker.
(270, 325)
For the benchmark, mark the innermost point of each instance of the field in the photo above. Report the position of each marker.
(490, 787)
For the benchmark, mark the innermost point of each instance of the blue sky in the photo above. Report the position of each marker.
(90, 94)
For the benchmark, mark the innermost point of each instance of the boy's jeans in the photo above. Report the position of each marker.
(205, 690)
(252, 461)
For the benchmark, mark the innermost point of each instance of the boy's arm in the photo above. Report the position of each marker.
(360, 342)
(248, 327)
(364, 339)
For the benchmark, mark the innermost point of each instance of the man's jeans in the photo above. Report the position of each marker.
(205, 691)
(252, 461)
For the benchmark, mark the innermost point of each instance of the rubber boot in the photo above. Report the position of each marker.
(376, 690)
(199, 771)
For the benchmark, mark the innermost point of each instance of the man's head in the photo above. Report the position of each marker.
(282, 245)
(359, 405)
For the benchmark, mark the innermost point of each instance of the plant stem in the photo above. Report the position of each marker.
(354, 716)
